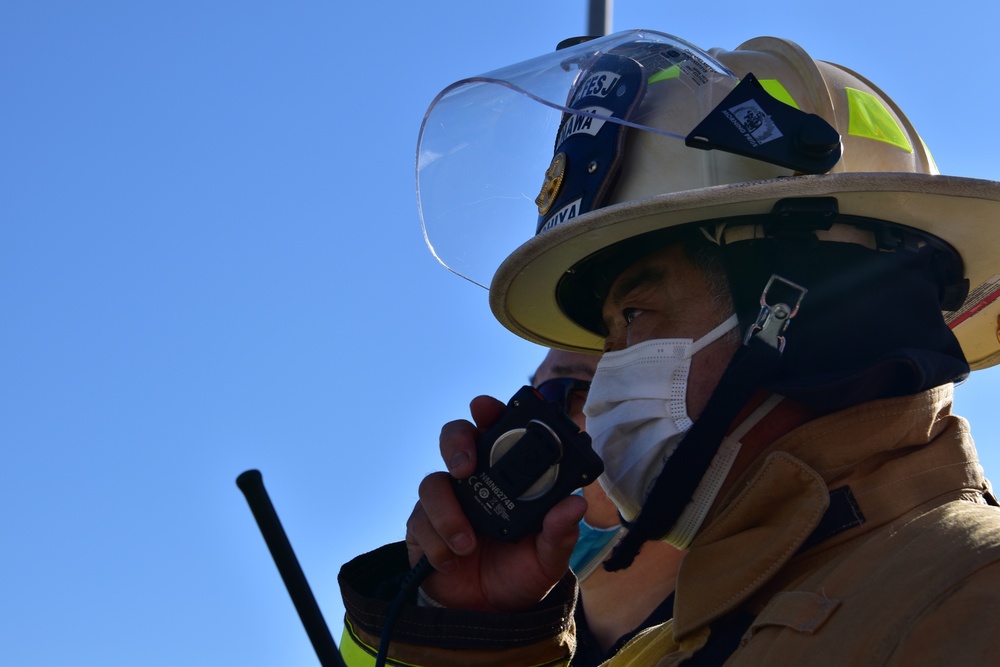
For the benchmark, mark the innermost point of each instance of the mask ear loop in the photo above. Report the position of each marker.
(715, 334)
(690, 520)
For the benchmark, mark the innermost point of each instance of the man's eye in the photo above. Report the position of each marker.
(629, 314)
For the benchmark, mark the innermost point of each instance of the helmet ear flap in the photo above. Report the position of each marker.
(845, 345)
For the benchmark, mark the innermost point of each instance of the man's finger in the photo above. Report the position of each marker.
(458, 447)
(560, 531)
(445, 515)
(486, 410)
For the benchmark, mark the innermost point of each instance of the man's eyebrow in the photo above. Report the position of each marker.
(564, 370)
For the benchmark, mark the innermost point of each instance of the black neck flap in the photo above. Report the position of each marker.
(870, 325)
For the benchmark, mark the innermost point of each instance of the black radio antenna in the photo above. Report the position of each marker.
(251, 483)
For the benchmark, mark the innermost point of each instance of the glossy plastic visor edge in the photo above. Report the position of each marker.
(486, 142)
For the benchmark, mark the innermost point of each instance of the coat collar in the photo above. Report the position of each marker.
(879, 449)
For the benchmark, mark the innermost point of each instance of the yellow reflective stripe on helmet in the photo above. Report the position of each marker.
(671, 72)
(778, 92)
(870, 119)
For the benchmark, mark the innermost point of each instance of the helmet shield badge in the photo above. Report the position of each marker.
(588, 148)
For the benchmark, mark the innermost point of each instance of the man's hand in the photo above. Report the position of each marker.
(472, 572)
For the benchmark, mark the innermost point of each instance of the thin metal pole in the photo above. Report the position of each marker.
(599, 17)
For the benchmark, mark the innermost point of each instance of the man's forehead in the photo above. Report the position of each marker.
(653, 268)
(559, 363)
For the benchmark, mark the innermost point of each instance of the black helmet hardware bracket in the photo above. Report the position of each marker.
(752, 123)
(774, 318)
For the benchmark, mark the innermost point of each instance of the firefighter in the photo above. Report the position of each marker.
(785, 291)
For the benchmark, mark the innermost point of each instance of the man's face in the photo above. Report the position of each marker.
(562, 364)
(663, 295)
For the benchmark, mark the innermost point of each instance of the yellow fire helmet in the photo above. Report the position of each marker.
(611, 140)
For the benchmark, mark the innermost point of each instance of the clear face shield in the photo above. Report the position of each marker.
(523, 148)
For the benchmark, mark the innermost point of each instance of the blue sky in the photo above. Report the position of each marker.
(210, 260)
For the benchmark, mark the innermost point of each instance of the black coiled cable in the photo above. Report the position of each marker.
(410, 582)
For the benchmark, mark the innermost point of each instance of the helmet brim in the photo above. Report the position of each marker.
(963, 212)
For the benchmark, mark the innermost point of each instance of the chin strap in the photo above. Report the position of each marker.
(683, 532)
(753, 366)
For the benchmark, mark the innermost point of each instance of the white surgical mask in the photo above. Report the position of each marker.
(637, 413)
